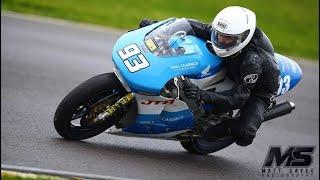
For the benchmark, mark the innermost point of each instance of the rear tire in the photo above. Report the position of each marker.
(201, 146)
(77, 101)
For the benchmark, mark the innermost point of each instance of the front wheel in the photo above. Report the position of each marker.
(79, 104)
(202, 146)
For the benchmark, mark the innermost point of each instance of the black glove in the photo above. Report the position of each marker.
(192, 91)
(146, 22)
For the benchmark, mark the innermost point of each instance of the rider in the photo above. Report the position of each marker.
(248, 57)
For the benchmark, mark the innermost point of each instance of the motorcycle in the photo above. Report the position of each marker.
(143, 96)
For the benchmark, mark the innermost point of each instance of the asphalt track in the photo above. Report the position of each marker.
(42, 61)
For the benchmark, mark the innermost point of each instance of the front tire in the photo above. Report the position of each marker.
(77, 103)
(202, 146)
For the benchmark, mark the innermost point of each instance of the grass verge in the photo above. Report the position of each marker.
(13, 175)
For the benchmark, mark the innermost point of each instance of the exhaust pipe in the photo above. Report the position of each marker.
(278, 110)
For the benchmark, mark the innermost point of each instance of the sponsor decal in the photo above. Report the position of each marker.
(251, 78)
(205, 72)
(171, 119)
(150, 123)
(147, 122)
(184, 66)
(293, 162)
(155, 102)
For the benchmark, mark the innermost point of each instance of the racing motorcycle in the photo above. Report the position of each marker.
(143, 96)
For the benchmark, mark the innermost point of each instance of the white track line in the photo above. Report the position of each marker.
(57, 172)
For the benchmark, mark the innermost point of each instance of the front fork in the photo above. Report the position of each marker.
(112, 110)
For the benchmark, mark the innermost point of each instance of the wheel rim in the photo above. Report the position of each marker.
(81, 112)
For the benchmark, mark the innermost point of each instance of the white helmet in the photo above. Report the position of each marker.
(232, 29)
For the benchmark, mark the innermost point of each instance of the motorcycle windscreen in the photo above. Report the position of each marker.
(170, 39)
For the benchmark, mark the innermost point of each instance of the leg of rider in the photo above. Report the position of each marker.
(252, 115)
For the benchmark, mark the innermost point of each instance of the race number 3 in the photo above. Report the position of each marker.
(284, 85)
(136, 64)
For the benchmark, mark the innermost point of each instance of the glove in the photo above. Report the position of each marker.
(146, 22)
(192, 91)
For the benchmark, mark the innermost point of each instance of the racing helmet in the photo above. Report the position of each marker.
(232, 29)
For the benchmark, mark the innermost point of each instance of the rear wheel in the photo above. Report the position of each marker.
(82, 103)
(202, 146)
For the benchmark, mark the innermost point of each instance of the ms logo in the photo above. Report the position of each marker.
(294, 156)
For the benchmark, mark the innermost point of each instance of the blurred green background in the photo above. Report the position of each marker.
(291, 25)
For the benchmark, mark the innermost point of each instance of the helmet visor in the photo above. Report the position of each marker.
(225, 41)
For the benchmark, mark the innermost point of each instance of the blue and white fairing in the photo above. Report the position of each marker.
(147, 58)
(291, 74)
(155, 60)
